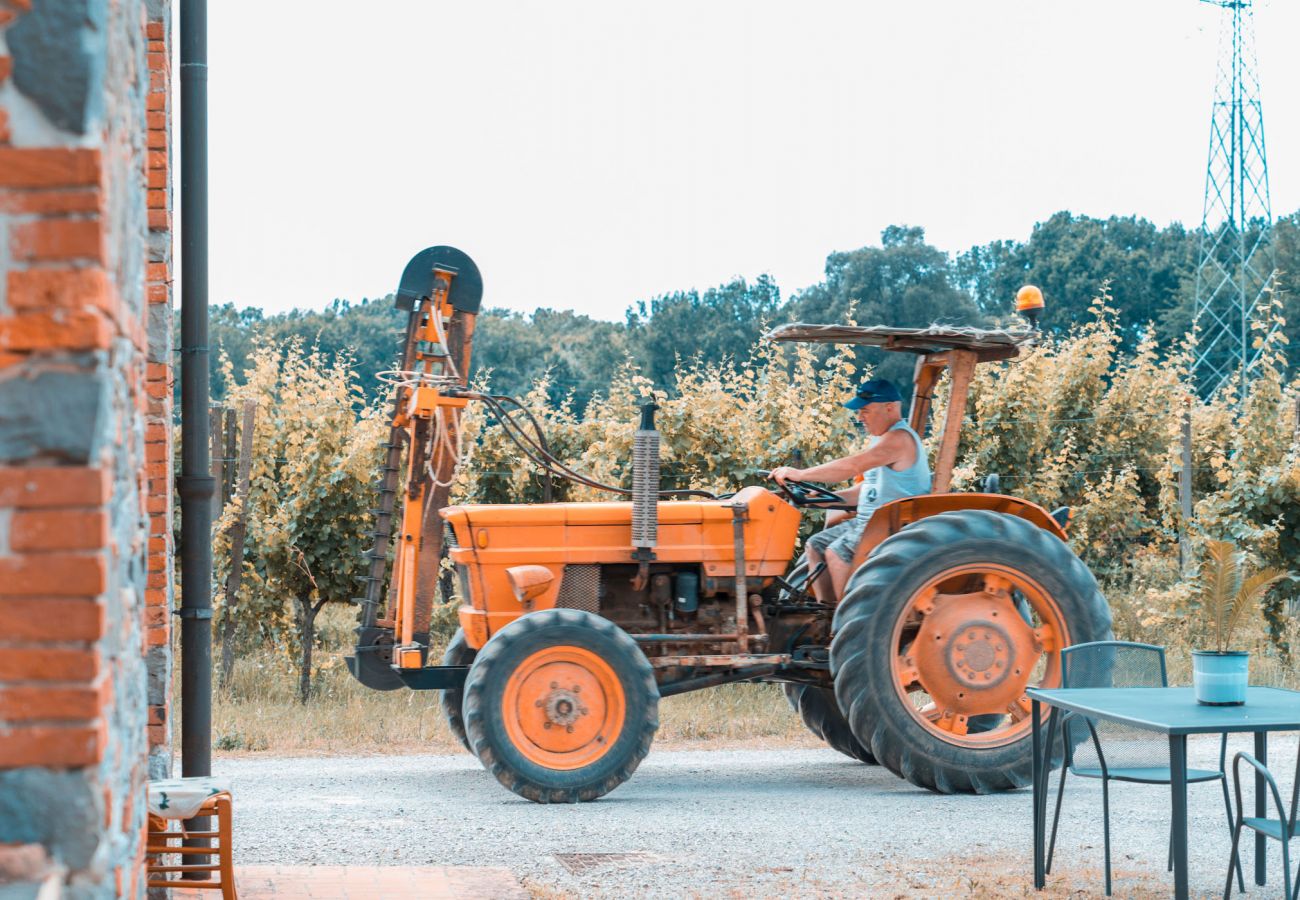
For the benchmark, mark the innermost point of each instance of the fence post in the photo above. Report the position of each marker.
(1185, 492)
(214, 432)
(238, 530)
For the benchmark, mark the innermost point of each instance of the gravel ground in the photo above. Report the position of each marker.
(723, 823)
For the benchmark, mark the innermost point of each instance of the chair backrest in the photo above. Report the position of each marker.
(1118, 664)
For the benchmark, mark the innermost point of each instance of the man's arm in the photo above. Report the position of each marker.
(893, 447)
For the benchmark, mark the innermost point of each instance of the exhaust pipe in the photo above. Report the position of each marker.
(645, 493)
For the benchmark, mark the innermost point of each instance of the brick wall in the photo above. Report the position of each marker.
(85, 555)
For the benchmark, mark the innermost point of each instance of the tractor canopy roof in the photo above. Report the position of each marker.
(988, 343)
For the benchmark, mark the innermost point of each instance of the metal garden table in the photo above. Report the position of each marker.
(1173, 712)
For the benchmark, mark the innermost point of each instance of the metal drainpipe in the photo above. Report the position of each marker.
(195, 482)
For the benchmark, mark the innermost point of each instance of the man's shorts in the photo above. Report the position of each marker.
(842, 539)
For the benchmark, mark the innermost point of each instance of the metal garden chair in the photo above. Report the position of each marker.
(1114, 752)
(1281, 829)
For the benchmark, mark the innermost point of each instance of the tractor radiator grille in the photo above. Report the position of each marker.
(580, 588)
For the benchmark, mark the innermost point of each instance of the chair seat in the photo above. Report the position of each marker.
(1270, 827)
(1148, 774)
(180, 798)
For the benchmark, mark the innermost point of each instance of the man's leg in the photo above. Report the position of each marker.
(821, 588)
(839, 569)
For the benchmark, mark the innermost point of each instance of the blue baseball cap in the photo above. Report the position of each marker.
(877, 390)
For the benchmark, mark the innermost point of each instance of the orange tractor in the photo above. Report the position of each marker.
(576, 618)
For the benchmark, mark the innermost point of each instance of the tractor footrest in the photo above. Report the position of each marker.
(811, 658)
(433, 678)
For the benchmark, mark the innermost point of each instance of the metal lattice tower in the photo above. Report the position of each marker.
(1236, 259)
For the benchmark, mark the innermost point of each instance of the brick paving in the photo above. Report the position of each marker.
(368, 883)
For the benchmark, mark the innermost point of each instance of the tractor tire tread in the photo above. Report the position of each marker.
(635, 740)
(458, 653)
(864, 621)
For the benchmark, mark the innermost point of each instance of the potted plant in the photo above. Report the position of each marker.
(1226, 597)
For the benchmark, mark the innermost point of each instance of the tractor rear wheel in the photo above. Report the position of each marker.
(561, 706)
(940, 632)
(458, 653)
(816, 705)
(821, 714)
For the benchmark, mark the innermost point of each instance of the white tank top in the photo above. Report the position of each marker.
(884, 484)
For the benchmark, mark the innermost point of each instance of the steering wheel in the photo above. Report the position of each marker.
(805, 493)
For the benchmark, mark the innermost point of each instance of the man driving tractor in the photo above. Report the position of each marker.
(893, 466)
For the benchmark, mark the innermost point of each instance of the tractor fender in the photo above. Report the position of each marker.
(893, 517)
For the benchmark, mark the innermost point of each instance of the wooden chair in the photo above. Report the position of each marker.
(161, 836)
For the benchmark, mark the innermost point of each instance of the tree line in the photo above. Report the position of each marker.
(1148, 272)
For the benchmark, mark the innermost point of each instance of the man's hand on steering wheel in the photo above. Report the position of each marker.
(781, 474)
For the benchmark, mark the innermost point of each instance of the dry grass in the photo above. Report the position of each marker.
(259, 713)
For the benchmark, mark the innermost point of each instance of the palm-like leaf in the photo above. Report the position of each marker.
(1220, 579)
(1248, 597)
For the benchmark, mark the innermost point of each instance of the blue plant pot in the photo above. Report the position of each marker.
(1220, 679)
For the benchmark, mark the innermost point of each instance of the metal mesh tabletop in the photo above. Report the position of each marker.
(1174, 710)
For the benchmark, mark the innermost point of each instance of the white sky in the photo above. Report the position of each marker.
(590, 154)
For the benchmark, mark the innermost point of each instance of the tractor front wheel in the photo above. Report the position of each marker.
(940, 633)
(458, 653)
(561, 706)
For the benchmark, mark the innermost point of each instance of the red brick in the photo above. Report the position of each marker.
(154, 31)
(156, 46)
(156, 139)
(37, 289)
(159, 220)
(52, 167)
(156, 121)
(157, 715)
(48, 664)
(158, 272)
(51, 618)
(157, 293)
(157, 159)
(57, 574)
(156, 616)
(51, 202)
(53, 746)
(156, 452)
(42, 487)
(25, 703)
(157, 62)
(156, 179)
(157, 733)
(155, 597)
(156, 470)
(158, 81)
(156, 199)
(7, 16)
(55, 331)
(156, 102)
(4, 127)
(48, 239)
(12, 359)
(6, 66)
(58, 529)
(157, 545)
(156, 580)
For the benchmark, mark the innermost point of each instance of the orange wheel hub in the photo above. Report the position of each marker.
(563, 707)
(965, 648)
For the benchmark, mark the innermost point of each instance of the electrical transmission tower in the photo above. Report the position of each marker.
(1236, 258)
